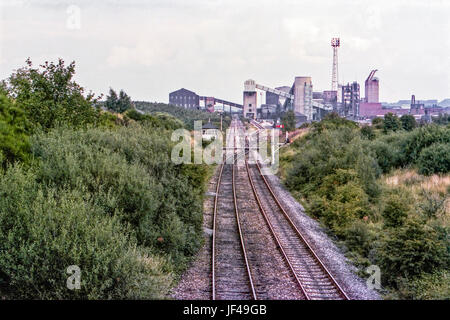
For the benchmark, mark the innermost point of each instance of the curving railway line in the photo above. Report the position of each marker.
(257, 250)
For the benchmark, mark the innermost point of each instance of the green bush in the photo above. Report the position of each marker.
(434, 159)
(43, 231)
(368, 132)
(396, 210)
(423, 137)
(409, 251)
(128, 169)
(359, 237)
(391, 122)
(408, 122)
(14, 141)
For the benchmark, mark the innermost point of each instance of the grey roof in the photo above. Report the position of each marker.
(183, 90)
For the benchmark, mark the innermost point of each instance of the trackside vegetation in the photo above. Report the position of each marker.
(383, 191)
(80, 186)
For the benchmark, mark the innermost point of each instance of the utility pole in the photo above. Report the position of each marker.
(335, 44)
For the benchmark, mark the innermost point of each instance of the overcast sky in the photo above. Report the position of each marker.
(149, 48)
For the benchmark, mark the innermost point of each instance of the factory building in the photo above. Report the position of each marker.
(350, 100)
(250, 99)
(371, 107)
(372, 88)
(184, 98)
(303, 93)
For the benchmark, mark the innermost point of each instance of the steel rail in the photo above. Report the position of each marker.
(213, 250)
(277, 240)
(303, 239)
(236, 211)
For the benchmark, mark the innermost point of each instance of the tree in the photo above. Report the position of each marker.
(408, 122)
(50, 97)
(288, 120)
(391, 122)
(377, 123)
(111, 100)
(368, 132)
(14, 143)
(395, 211)
(434, 159)
(118, 104)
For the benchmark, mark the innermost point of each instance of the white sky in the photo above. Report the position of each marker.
(149, 48)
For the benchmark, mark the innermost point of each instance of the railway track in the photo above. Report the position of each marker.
(231, 274)
(313, 278)
(257, 251)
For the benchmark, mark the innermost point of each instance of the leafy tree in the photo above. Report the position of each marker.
(111, 100)
(50, 97)
(377, 123)
(119, 103)
(368, 132)
(391, 122)
(434, 159)
(14, 128)
(408, 122)
(288, 120)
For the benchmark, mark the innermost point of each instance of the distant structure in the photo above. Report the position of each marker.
(184, 98)
(372, 88)
(303, 93)
(350, 100)
(416, 108)
(189, 99)
(335, 44)
(250, 99)
(298, 98)
(371, 106)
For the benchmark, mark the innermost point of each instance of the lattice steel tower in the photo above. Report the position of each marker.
(335, 43)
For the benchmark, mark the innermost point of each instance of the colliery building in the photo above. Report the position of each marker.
(184, 98)
(350, 100)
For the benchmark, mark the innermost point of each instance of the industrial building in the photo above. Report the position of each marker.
(189, 99)
(184, 98)
(350, 100)
(372, 88)
(299, 98)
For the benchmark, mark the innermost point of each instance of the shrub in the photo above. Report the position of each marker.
(129, 170)
(427, 286)
(396, 210)
(423, 137)
(377, 123)
(408, 122)
(409, 251)
(44, 231)
(434, 159)
(14, 141)
(359, 237)
(391, 122)
(368, 132)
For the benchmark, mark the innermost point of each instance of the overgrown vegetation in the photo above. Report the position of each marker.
(188, 116)
(341, 174)
(88, 188)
